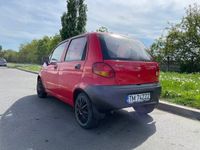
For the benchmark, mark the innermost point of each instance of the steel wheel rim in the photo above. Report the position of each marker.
(81, 110)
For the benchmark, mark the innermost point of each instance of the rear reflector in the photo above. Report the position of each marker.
(157, 72)
(103, 69)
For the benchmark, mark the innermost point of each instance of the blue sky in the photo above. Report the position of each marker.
(24, 20)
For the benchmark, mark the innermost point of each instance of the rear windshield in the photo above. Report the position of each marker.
(116, 47)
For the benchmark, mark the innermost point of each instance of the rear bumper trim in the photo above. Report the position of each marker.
(114, 97)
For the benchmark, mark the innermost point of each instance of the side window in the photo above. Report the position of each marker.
(57, 53)
(77, 49)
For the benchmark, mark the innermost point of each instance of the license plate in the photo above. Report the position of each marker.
(137, 98)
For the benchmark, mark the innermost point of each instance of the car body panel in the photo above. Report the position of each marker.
(68, 78)
(134, 72)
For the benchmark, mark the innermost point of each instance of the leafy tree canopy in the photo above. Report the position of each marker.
(182, 42)
(33, 51)
(74, 20)
(102, 29)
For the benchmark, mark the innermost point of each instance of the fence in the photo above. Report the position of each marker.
(170, 67)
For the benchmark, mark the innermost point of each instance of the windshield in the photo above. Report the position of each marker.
(116, 47)
(2, 60)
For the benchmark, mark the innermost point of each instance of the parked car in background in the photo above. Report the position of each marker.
(99, 72)
(3, 62)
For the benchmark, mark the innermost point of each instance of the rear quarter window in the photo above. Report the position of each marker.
(116, 47)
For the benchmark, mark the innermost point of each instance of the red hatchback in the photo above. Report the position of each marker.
(99, 72)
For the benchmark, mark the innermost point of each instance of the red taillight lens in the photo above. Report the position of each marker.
(103, 69)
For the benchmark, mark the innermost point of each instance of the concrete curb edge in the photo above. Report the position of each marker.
(179, 110)
(34, 72)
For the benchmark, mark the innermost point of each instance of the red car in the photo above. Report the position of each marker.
(99, 72)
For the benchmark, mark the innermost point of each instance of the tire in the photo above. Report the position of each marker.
(85, 112)
(144, 109)
(40, 89)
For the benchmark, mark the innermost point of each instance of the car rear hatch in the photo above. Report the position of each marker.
(137, 72)
(129, 60)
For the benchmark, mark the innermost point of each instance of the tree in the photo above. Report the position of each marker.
(34, 51)
(182, 42)
(74, 20)
(102, 29)
(1, 52)
(42, 48)
(54, 40)
(82, 17)
(11, 56)
(27, 52)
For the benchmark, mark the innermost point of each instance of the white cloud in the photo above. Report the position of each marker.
(24, 20)
(143, 19)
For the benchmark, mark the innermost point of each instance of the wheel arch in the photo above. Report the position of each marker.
(38, 77)
(77, 91)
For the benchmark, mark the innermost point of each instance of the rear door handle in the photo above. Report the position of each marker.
(78, 66)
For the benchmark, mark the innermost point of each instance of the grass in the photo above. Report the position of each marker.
(179, 88)
(28, 67)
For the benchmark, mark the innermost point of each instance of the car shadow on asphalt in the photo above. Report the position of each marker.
(48, 124)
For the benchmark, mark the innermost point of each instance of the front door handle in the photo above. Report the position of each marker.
(55, 66)
(78, 66)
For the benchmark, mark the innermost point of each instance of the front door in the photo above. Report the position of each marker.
(51, 81)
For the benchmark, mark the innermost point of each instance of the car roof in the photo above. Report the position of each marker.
(97, 33)
(85, 34)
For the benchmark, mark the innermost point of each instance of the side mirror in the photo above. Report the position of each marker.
(45, 60)
(53, 61)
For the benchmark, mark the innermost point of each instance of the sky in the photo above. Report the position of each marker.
(24, 20)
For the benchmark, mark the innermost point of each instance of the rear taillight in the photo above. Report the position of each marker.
(103, 69)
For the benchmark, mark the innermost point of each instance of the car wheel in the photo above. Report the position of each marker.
(40, 89)
(144, 109)
(85, 112)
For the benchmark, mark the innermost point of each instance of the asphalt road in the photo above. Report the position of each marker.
(30, 123)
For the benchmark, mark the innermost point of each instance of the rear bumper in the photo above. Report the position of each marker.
(114, 97)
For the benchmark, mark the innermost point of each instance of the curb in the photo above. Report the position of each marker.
(27, 70)
(179, 110)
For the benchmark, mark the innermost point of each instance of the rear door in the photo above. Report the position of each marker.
(71, 69)
(129, 59)
(51, 75)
